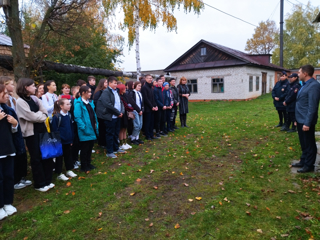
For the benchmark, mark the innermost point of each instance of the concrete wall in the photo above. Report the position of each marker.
(236, 82)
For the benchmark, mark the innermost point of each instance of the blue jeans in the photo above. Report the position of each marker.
(112, 135)
(137, 124)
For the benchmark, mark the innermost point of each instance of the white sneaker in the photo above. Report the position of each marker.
(51, 185)
(123, 147)
(93, 151)
(3, 214)
(62, 177)
(71, 174)
(75, 166)
(128, 146)
(25, 182)
(9, 209)
(19, 186)
(43, 189)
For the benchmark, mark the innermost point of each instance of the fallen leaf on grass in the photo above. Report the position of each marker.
(177, 226)
(190, 200)
(151, 224)
(66, 212)
(290, 191)
(278, 217)
(81, 178)
(226, 199)
(73, 193)
(73, 230)
(181, 173)
(198, 198)
(138, 180)
(68, 184)
(268, 208)
(151, 171)
(259, 230)
(25, 238)
(147, 219)
(220, 203)
(100, 214)
(155, 187)
(248, 204)
(284, 235)
(186, 184)
(99, 229)
(255, 207)
(193, 213)
(132, 194)
(248, 213)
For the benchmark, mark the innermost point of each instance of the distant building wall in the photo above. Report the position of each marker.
(236, 82)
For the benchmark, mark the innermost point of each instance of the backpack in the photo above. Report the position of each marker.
(58, 115)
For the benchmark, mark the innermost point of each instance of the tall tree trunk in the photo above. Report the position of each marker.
(14, 26)
(137, 25)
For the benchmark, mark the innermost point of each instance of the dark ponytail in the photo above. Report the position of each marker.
(83, 89)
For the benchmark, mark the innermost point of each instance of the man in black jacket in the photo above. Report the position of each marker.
(149, 108)
(279, 93)
(307, 105)
(176, 100)
(110, 109)
(290, 101)
(92, 84)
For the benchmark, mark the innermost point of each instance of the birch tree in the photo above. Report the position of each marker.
(148, 14)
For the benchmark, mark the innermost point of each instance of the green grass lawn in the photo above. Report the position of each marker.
(227, 176)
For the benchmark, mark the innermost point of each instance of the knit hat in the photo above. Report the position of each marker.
(165, 84)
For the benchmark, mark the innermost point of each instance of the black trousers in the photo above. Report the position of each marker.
(160, 118)
(66, 157)
(168, 120)
(308, 145)
(130, 127)
(283, 116)
(41, 169)
(102, 135)
(75, 146)
(6, 181)
(20, 167)
(291, 119)
(85, 154)
(148, 124)
(112, 134)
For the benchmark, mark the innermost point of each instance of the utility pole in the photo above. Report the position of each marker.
(281, 33)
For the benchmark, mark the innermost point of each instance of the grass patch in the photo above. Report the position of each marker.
(231, 159)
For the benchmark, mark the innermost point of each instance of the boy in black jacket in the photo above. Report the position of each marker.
(290, 100)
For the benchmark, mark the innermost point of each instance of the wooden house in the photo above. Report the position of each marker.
(216, 72)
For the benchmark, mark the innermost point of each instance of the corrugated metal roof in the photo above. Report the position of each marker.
(6, 41)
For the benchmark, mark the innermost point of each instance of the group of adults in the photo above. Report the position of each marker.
(296, 98)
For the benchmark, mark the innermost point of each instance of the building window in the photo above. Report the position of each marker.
(250, 84)
(318, 78)
(217, 85)
(257, 83)
(193, 85)
(203, 51)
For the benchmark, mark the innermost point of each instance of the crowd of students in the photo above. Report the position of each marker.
(112, 114)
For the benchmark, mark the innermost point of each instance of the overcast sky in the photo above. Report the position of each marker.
(160, 48)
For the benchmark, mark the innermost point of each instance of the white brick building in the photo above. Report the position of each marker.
(215, 72)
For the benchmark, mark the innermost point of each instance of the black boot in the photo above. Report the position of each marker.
(293, 129)
(279, 125)
(185, 120)
(181, 120)
(284, 128)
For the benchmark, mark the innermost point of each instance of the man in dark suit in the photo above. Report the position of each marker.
(307, 104)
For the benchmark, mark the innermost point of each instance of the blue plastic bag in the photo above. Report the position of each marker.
(50, 145)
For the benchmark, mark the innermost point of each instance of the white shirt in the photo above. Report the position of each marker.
(11, 102)
(63, 114)
(48, 101)
(117, 103)
(138, 98)
(85, 101)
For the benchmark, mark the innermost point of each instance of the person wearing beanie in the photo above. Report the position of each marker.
(279, 93)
